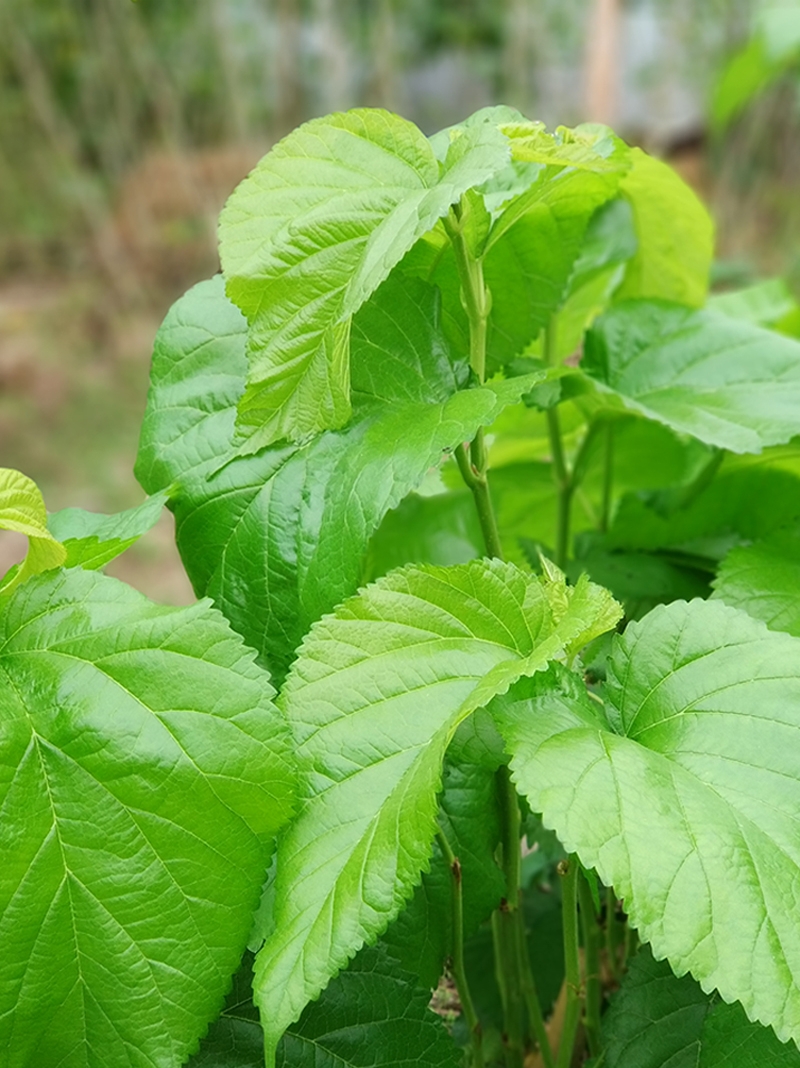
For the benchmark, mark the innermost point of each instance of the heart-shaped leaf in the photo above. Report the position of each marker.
(144, 772)
(683, 793)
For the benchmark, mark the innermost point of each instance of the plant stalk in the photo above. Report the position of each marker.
(534, 1007)
(457, 956)
(591, 948)
(608, 477)
(474, 294)
(475, 478)
(561, 472)
(511, 959)
(572, 961)
(614, 934)
(508, 927)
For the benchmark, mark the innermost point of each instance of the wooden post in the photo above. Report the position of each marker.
(602, 62)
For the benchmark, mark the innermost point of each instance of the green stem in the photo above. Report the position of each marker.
(476, 303)
(534, 1007)
(572, 962)
(474, 293)
(476, 479)
(512, 835)
(631, 943)
(561, 472)
(593, 985)
(608, 478)
(613, 933)
(508, 928)
(457, 956)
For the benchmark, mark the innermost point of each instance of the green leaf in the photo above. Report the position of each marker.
(494, 115)
(92, 540)
(748, 498)
(675, 232)
(373, 700)
(278, 539)
(763, 303)
(764, 580)
(537, 239)
(659, 1021)
(589, 147)
(22, 509)
(374, 1014)
(640, 581)
(196, 379)
(746, 74)
(683, 793)
(532, 250)
(726, 382)
(311, 233)
(609, 242)
(399, 351)
(442, 529)
(469, 814)
(143, 776)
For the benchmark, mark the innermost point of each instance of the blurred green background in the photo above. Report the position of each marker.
(124, 126)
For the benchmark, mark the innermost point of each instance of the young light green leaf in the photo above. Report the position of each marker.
(537, 240)
(313, 231)
(374, 698)
(144, 772)
(675, 232)
(728, 383)
(92, 540)
(374, 1015)
(277, 539)
(592, 148)
(22, 509)
(494, 115)
(659, 1021)
(764, 579)
(683, 793)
